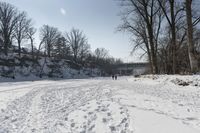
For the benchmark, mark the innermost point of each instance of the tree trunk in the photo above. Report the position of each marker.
(19, 48)
(49, 51)
(191, 49)
(151, 40)
(173, 49)
(32, 48)
(153, 52)
(150, 60)
(7, 43)
(173, 30)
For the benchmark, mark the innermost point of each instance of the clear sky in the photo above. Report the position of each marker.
(98, 19)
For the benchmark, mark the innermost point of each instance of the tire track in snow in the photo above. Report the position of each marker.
(48, 110)
(12, 119)
(33, 120)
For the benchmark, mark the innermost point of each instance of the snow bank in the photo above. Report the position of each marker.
(13, 68)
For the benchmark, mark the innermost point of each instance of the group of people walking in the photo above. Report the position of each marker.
(114, 77)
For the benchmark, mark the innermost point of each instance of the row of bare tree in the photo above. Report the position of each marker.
(55, 44)
(17, 30)
(167, 30)
(14, 25)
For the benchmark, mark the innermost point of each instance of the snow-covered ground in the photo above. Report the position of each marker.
(150, 104)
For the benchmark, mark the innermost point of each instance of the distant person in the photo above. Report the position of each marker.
(115, 77)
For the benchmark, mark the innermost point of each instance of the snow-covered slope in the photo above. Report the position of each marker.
(26, 68)
(150, 104)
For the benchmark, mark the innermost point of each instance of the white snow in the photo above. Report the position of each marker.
(150, 104)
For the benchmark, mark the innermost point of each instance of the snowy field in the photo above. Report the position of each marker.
(150, 104)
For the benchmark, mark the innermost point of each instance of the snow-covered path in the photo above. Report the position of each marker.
(127, 105)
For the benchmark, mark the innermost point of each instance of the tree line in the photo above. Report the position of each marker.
(167, 31)
(17, 30)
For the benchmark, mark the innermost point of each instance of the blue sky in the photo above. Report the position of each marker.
(97, 18)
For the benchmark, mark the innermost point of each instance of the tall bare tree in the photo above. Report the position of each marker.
(173, 16)
(148, 27)
(49, 36)
(191, 48)
(61, 49)
(21, 29)
(30, 33)
(1, 41)
(101, 53)
(78, 44)
(8, 20)
(84, 51)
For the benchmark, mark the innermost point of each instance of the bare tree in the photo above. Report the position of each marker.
(191, 48)
(140, 36)
(61, 49)
(49, 36)
(197, 41)
(101, 53)
(101, 58)
(84, 51)
(8, 20)
(21, 29)
(30, 33)
(143, 18)
(78, 44)
(173, 16)
(1, 41)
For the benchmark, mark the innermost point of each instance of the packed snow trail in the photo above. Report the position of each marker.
(101, 106)
(54, 109)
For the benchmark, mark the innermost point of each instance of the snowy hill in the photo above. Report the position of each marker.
(27, 68)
